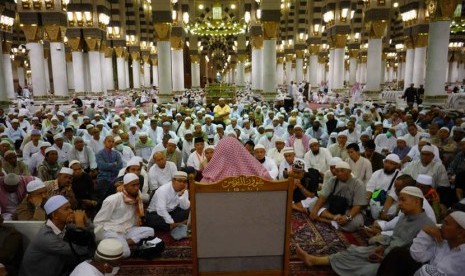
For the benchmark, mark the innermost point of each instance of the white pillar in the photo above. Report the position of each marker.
(164, 70)
(240, 80)
(70, 74)
(126, 73)
(95, 72)
(331, 70)
(178, 69)
(363, 73)
(280, 73)
(21, 76)
(269, 68)
(320, 73)
(299, 69)
(8, 73)
(103, 72)
(374, 52)
(257, 72)
(352, 70)
(108, 73)
(47, 74)
(78, 72)
(121, 72)
(338, 68)
(419, 66)
(409, 62)
(195, 73)
(288, 70)
(436, 63)
(399, 71)
(453, 72)
(36, 58)
(60, 79)
(135, 74)
(146, 74)
(155, 74)
(313, 68)
(3, 95)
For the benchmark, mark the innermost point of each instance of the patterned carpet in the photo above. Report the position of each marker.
(315, 238)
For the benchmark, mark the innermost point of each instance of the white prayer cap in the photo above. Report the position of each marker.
(143, 134)
(58, 136)
(180, 174)
(45, 144)
(209, 147)
(232, 134)
(459, 217)
(97, 115)
(425, 135)
(54, 203)
(219, 126)
(34, 185)
(99, 123)
(130, 177)
(138, 159)
(343, 165)
(73, 163)
(74, 113)
(424, 179)
(59, 113)
(288, 150)
(166, 123)
(132, 162)
(66, 170)
(172, 141)
(445, 128)
(15, 121)
(188, 118)
(259, 146)
(270, 127)
(89, 126)
(279, 139)
(4, 142)
(334, 161)
(118, 139)
(313, 140)
(11, 179)
(22, 113)
(109, 249)
(413, 191)
(245, 121)
(402, 138)
(49, 149)
(393, 157)
(333, 135)
(87, 117)
(115, 124)
(298, 126)
(54, 118)
(342, 133)
(378, 123)
(188, 132)
(427, 148)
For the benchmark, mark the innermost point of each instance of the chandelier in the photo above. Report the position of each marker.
(216, 23)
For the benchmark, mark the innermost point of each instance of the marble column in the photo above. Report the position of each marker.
(21, 76)
(438, 46)
(60, 79)
(135, 70)
(313, 66)
(299, 66)
(195, 71)
(409, 63)
(154, 72)
(3, 95)
(95, 72)
(8, 71)
(419, 64)
(121, 72)
(164, 70)
(374, 58)
(78, 72)
(269, 60)
(240, 79)
(257, 63)
(453, 72)
(280, 71)
(177, 64)
(353, 59)
(36, 59)
(288, 65)
(330, 77)
(109, 83)
(146, 72)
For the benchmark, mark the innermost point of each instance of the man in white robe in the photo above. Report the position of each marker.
(161, 172)
(361, 167)
(267, 162)
(317, 157)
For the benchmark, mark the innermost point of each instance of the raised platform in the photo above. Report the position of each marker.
(216, 90)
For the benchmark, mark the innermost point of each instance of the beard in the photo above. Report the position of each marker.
(389, 172)
(316, 152)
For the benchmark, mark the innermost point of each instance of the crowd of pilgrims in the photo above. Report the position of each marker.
(392, 173)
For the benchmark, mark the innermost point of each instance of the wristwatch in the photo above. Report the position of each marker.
(349, 218)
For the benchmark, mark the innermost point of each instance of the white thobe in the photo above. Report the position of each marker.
(434, 169)
(165, 200)
(195, 160)
(274, 154)
(271, 167)
(361, 169)
(159, 177)
(319, 162)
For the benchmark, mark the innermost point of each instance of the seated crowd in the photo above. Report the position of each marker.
(109, 183)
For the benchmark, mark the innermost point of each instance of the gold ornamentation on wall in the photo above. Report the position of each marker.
(270, 30)
(257, 42)
(163, 31)
(243, 183)
(441, 10)
(377, 29)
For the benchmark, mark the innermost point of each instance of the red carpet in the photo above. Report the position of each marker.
(315, 238)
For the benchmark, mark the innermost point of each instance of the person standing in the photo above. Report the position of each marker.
(109, 164)
(410, 95)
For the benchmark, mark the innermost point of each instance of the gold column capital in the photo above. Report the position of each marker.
(68, 57)
(363, 59)
(146, 59)
(6, 47)
(280, 60)
(420, 40)
(409, 43)
(441, 10)
(242, 58)
(299, 54)
(75, 44)
(270, 30)
(353, 53)
(257, 42)
(33, 33)
(314, 49)
(154, 61)
(93, 43)
(289, 57)
(195, 59)
(321, 59)
(135, 55)
(176, 42)
(108, 52)
(377, 29)
(54, 33)
(119, 51)
(338, 41)
(163, 31)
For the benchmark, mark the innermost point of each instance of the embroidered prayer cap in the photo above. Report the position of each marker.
(49, 149)
(132, 162)
(109, 249)
(259, 146)
(34, 185)
(54, 203)
(180, 174)
(334, 161)
(66, 170)
(413, 191)
(312, 141)
(427, 148)
(130, 177)
(298, 165)
(459, 217)
(424, 179)
(11, 179)
(343, 165)
(287, 150)
(73, 163)
(393, 157)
